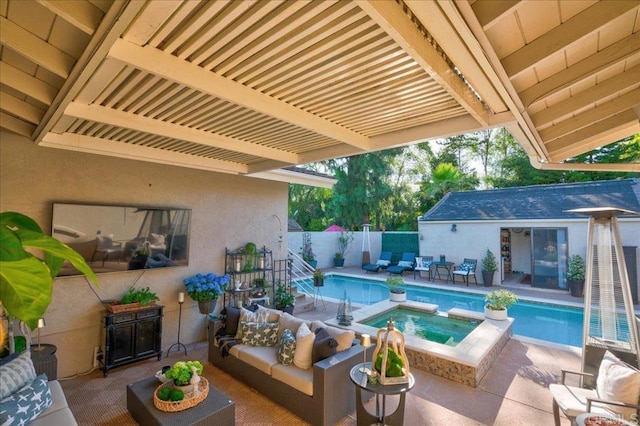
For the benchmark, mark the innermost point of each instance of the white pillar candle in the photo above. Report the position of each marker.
(238, 265)
(180, 297)
(261, 262)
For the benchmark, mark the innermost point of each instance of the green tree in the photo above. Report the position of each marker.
(307, 206)
(363, 188)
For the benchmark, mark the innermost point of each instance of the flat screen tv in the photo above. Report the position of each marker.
(120, 238)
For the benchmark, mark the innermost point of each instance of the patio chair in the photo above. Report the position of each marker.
(405, 264)
(465, 270)
(383, 261)
(617, 392)
(106, 247)
(423, 264)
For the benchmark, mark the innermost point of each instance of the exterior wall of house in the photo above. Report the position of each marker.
(227, 211)
(472, 238)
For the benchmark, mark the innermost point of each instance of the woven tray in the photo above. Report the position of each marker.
(175, 406)
(116, 307)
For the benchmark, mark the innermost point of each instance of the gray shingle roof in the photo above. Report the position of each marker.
(536, 202)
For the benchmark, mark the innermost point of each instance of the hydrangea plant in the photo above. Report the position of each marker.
(180, 373)
(206, 287)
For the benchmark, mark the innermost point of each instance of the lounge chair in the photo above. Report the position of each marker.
(382, 263)
(423, 264)
(405, 264)
(465, 270)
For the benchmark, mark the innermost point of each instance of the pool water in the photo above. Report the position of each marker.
(549, 322)
(436, 328)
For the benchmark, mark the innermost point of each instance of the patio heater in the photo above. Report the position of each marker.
(366, 244)
(609, 320)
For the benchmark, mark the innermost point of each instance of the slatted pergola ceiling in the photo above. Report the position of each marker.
(250, 87)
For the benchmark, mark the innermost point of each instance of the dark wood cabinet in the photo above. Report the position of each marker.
(132, 336)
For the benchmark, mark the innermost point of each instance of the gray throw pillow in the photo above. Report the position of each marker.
(260, 333)
(231, 321)
(323, 346)
(16, 373)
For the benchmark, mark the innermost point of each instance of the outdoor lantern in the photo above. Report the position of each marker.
(344, 316)
(393, 365)
(41, 324)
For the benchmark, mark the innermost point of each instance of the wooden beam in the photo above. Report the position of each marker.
(81, 143)
(489, 12)
(150, 20)
(587, 118)
(27, 84)
(79, 13)
(168, 66)
(16, 125)
(607, 88)
(116, 20)
(395, 22)
(608, 57)
(143, 124)
(20, 108)
(35, 49)
(597, 131)
(562, 36)
(458, 42)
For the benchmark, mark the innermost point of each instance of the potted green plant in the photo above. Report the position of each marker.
(344, 242)
(283, 299)
(134, 299)
(489, 267)
(26, 282)
(575, 275)
(396, 292)
(318, 278)
(497, 302)
(181, 373)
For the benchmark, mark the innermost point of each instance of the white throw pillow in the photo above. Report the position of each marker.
(382, 262)
(618, 381)
(304, 347)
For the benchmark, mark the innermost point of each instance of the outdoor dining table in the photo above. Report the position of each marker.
(447, 266)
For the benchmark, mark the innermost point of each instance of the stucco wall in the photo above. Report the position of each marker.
(472, 239)
(325, 244)
(227, 211)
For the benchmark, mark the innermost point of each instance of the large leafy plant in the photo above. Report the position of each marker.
(26, 281)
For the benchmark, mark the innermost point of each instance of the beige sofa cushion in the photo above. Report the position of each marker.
(59, 413)
(261, 357)
(290, 322)
(343, 337)
(295, 377)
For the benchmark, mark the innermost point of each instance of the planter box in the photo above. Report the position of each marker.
(397, 297)
(117, 307)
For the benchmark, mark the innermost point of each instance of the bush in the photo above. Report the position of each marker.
(489, 263)
(575, 269)
(499, 300)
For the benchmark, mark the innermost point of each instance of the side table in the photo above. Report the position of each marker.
(447, 266)
(381, 391)
(45, 360)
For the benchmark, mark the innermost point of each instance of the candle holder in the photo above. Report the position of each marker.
(365, 342)
(178, 344)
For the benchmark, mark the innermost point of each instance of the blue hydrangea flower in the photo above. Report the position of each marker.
(205, 287)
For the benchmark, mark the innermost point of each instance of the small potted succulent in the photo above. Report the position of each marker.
(575, 275)
(497, 302)
(396, 292)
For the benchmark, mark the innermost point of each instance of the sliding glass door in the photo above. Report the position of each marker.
(549, 249)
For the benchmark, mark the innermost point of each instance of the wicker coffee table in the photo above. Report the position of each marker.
(216, 410)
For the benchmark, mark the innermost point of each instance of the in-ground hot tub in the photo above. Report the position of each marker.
(465, 361)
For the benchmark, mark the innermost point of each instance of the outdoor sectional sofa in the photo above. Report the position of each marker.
(321, 394)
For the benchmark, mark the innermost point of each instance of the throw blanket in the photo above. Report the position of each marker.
(225, 343)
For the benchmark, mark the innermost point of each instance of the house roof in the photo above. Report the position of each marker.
(536, 202)
(248, 87)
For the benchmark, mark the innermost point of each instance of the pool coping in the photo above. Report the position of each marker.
(465, 363)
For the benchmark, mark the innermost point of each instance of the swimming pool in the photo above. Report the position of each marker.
(549, 322)
(428, 326)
